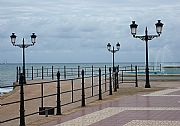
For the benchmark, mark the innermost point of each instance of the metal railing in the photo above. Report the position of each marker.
(65, 92)
(47, 73)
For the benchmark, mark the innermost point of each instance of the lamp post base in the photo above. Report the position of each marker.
(147, 85)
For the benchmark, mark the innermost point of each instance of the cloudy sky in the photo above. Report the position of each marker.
(79, 30)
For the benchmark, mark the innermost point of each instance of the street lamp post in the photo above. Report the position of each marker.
(145, 38)
(23, 46)
(113, 50)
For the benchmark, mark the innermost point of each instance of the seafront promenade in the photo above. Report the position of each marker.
(128, 106)
(88, 91)
(157, 108)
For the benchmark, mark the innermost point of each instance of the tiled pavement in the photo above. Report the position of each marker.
(161, 108)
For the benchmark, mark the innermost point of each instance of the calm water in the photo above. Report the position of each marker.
(8, 71)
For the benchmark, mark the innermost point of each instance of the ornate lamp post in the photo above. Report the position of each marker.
(145, 38)
(113, 51)
(23, 46)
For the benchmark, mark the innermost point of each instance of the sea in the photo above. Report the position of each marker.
(8, 70)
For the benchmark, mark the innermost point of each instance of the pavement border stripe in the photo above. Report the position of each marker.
(108, 112)
(152, 123)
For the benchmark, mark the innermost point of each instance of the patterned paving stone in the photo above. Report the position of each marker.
(108, 112)
(163, 92)
(137, 110)
(92, 118)
(152, 123)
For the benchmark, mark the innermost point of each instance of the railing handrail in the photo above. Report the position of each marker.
(106, 75)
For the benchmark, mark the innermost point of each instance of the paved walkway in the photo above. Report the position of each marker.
(161, 108)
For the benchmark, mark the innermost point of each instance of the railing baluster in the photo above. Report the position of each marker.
(100, 93)
(83, 92)
(110, 82)
(136, 77)
(58, 95)
(92, 82)
(32, 74)
(72, 90)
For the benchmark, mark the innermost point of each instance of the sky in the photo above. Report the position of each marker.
(77, 31)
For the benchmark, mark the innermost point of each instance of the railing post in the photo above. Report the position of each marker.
(58, 95)
(17, 74)
(153, 67)
(131, 67)
(42, 95)
(72, 90)
(52, 73)
(83, 92)
(85, 71)
(100, 92)
(110, 82)
(64, 72)
(92, 81)
(27, 75)
(42, 72)
(114, 79)
(71, 72)
(160, 67)
(32, 74)
(19, 71)
(117, 80)
(47, 72)
(136, 77)
(37, 72)
(122, 77)
(22, 114)
(78, 71)
(105, 78)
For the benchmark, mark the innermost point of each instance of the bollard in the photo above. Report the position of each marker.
(83, 92)
(110, 82)
(58, 95)
(100, 93)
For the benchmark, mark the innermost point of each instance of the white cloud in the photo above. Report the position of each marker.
(71, 28)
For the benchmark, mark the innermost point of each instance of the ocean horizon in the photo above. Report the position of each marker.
(8, 70)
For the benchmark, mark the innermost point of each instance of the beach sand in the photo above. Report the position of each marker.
(11, 111)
